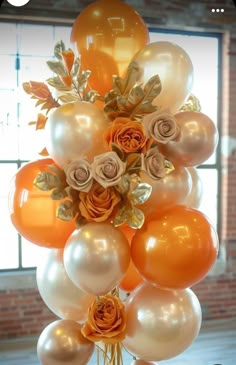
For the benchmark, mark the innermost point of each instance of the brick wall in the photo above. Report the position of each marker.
(22, 312)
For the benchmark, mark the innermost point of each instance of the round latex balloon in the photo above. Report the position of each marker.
(74, 130)
(96, 257)
(33, 212)
(142, 362)
(61, 343)
(175, 249)
(168, 191)
(175, 69)
(197, 142)
(194, 198)
(161, 323)
(107, 35)
(58, 292)
(132, 278)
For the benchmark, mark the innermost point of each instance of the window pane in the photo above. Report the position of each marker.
(209, 200)
(36, 39)
(31, 254)
(8, 39)
(8, 77)
(9, 236)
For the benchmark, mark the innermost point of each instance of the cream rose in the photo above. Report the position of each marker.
(79, 175)
(162, 127)
(107, 169)
(153, 163)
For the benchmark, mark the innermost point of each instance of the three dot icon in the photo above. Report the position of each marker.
(217, 10)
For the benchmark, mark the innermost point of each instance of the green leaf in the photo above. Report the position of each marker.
(57, 84)
(140, 194)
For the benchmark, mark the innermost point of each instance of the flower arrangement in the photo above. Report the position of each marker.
(112, 195)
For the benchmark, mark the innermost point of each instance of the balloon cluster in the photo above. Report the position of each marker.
(115, 198)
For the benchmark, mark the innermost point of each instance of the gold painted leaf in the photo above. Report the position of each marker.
(192, 104)
(45, 181)
(57, 84)
(121, 217)
(169, 167)
(68, 98)
(57, 68)
(66, 210)
(58, 49)
(140, 194)
(58, 194)
(136, 218)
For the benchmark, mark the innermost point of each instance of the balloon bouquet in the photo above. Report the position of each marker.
(115, 197)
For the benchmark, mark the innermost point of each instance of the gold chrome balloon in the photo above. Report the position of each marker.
(168, 191)
(175, 69)
(74, 130)
(61, 343)
(161, 323)
(58, 292)
(194, 198)
(197, 142)
(96, 257)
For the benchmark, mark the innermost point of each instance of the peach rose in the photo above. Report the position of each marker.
(99, 203)
(106, 320)
(127, 134)
(161, 126)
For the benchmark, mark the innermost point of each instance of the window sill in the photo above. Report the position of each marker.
(18, 280)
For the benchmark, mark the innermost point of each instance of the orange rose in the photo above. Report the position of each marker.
(99, 203)
(106, 320)
(127, 134)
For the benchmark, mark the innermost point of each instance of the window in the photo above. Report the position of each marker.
(23, 57)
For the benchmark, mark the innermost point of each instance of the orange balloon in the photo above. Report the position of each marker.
(175, 249)
(33, 212)
(107, 35)
(132, 278)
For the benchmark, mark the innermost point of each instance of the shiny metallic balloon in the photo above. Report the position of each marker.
(168, 191)
(61, 343)
(197, 142)
(175, 69)
(141, 362)
(74, 130)
(58, 292)
(161, 323)
(96, 257)
(194, 198)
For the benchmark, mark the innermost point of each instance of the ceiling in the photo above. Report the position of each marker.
(159, 12)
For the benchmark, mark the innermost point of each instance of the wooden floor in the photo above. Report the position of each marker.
(216, 344)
